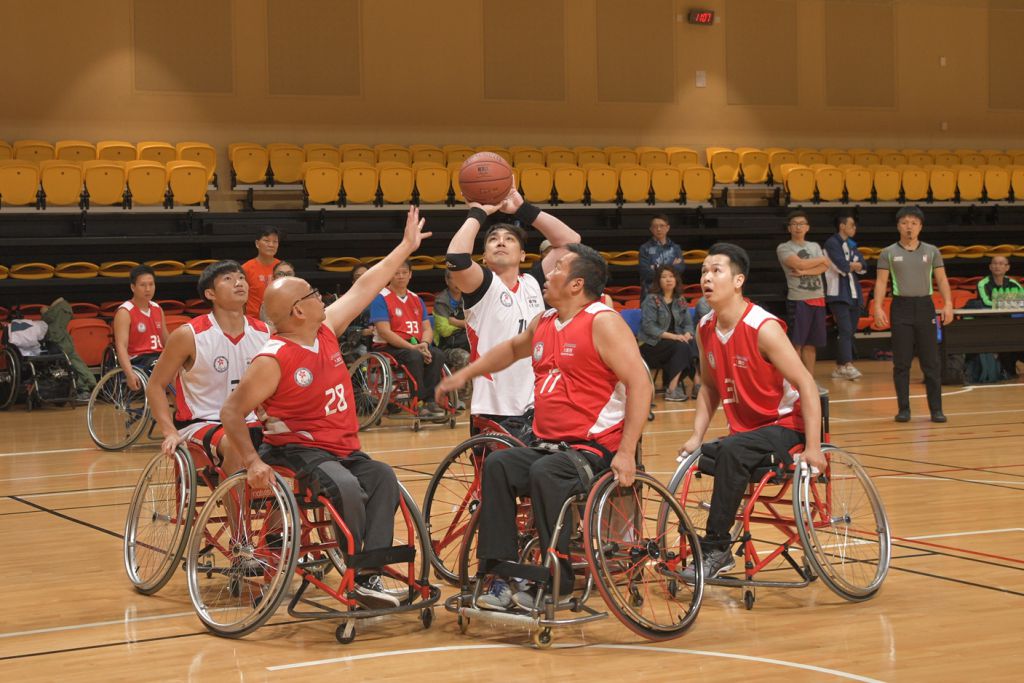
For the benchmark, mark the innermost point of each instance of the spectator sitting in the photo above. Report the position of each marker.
(357, 337)
(701, 308)
(260, 270)
(842, 291)
(450, 324)
(282, 269)
(659, 251)
(666, 333)
(998, 281)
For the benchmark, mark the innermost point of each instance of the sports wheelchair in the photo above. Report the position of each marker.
(616, 547)
(47, 378)
(116, 415)
(834, 518)
(384, 388)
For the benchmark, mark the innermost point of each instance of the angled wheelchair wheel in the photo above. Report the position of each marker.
(159, 520)
(116, 415)
(452, 496)
(843, 526)
(242, 554)
(9, 378)
(371, 387)
(692, 489)
(638, 541)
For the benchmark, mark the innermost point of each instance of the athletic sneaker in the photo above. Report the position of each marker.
(852, 372)
(430, 410)
(840, 372)
(498, 597)
(677, 394)
(371, 594)
(715, 562)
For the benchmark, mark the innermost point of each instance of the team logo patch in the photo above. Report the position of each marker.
(711, 359)
(336, 359)
(741, 361)
(220, 364)
(568, 349)
(303, 377)
(398, 312)
(506, 299)
(538, 351)
(141, 327)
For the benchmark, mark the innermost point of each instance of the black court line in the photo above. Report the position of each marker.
(960, 581)
(1007, 487)
(67, 517)
(942, 553)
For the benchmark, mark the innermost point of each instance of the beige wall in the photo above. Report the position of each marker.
(70, 69)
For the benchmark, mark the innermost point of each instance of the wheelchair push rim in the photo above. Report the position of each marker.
(116, 415)
(371, 387)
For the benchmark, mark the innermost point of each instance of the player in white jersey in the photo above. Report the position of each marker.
(205, 360)
(500, 301)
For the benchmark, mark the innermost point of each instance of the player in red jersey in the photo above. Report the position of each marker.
(591, 398)
(302, 383)
(139, 332)
(770, 399)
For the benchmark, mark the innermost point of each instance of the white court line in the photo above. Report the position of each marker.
(963, 533)
(953, 480)
(73, 474)
(96, 624)
(58, 450)
(641, 648)
(86, 492)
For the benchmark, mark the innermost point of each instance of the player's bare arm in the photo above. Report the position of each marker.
(947, 297)
(177, 354)
(498, 358)
(554, 229)
(469, 278)
(708, 400)
(258, 384)
(881, 281)
(122, 330)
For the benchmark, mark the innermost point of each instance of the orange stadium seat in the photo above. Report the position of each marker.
(318, 151)
(116, 150)
(635, 183)
(799, 182)
(147, 182)
(430, 153)
(526, 155)
(915, 183)
(920, 159)
(602, 182)
(19, 183)
(867, 159)
(858, 182)
(104, 182)
(453, 172)
(1017, 181)
(682, 156)
(322, 181)
(829, 181)
(809, 157)
(392, 152)
(62, 182)
(173, 321)
(972, 159)
(590, 155)
(396, 181)
(942, 182)
(651, 156)
(188, 182)
(698, 181)
(667, 183)
(570, 183)
(82, 309)
(356, 152)
(166, 268)
(997, 158)
(432, 182)
(969, 183)
(997, 182)
(359, 181)
(91, 337)
(621, 156)
(286, 162)
(838, 158)
(199, 151)
(74, 150)
(456, 153)
(777, 158)
(946, 159)
(894, 159)
(754, 165)
(33, 150)
(724, 163)
(153, 150)
(76, 270)
(249, 163)
(558, 155)
(6, 151)
(887, 182)
(536, 183)
(500, 151)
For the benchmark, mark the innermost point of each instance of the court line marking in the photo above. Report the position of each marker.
(641, 648)
(82, 492)
(1011, 482)
(58, 450)
(72, 474)
(97, 624)
(964, 533)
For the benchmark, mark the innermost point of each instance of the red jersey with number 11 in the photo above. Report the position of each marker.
(312, 404)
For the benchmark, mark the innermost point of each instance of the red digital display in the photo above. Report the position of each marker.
(704, 17)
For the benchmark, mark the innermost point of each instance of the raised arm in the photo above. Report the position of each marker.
(467, 274)
(553, 229)
(258, 384)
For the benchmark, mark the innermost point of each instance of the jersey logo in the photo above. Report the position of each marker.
(741, 361)
(506, 299)
(220, 364)
(141, 327)
(568, 349)
(398, 312)
(711, 360)
(303, 377)
(336, 359)
(538, 352)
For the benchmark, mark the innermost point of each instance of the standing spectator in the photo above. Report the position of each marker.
(259, 271)
(913, 264)
(666, 333)
(842, 291)
(450, 324)
(803, 263)
(659, 251)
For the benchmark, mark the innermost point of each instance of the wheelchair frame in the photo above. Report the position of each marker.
(13, 360)
(393, 381)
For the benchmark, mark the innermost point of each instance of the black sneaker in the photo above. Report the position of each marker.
(715, 562)
(937, 416)
(902, 416)
(371, 594)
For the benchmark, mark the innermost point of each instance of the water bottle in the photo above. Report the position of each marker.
(997, 299)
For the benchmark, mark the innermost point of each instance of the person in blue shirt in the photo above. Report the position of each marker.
(842, 291)
(659, 251)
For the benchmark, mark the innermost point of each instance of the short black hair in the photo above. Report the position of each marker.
(910, 211)
(139, 271)
(214, 271)
(514, 229)
(796, 214)
(655, 287)
(267, 230)
(280, 264)
(660, 217)
(590, 266)
(736, 254)
(843, 216)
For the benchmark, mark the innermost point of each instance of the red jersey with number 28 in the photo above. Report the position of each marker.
(312, 405)
(576, 396)
(754, 393)
(144, 331)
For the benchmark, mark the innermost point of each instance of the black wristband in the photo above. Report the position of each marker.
(479, 214)
(527, 213)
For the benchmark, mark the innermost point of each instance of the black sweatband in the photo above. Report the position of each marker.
(456, 262)
(527, 213)
(479, 214)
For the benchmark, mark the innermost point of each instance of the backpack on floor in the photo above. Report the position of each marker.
(984, 368)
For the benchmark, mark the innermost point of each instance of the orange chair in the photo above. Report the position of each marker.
(91, 337)
(173, 322)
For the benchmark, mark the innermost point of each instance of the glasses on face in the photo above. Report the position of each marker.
(312, 293)
(799, 224)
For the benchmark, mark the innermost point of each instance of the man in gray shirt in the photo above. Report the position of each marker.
(912, 264)
(803, 263)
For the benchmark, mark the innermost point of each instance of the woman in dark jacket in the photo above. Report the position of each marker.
(666, 333)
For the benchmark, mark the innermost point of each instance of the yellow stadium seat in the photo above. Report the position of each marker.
(667, 182)
(838, 158)
(457, 153)
(858, 182)
(395, 153)
(527, 155)
(854, 151)
(31, 271)
(963, 151)
(887, 183)
(942, 182)
(188, 181)
(33, 150)
(339, 264)
(590, 155)
(104, 182)
(357, 152)
(248, 163)
(754, 165)
(427, 153)
(396, 181)
(359, 181)
(882, 151)
(811, 157)
(432, 182)
(116, 150)
(319, 151)
(197, 266)
(799, 182)
(907, 151)
(914, 181)
(6, 151)
(936, 151)
(570, 183)
(500, 151)
(635, 182)
(651, 156)
(536, 182)
(831, 150)
(970, 182)
(973, 159)
(946, 159)
(147, 182)
(998, 159)
(62, 183)
(153, 150)
(558, 155)
(829, 181)
(201, 152)
(777, 158)
(19, 183)
(117, 268)
(167, 268)
(698, 182)
(74, 150)
(285, 162)
(322, 181)
(867, 159)
(725, 164)
(76, 270)
(997, 183)
(618, 157)
(682, 156)
(894, 159)
(920, 159)
(602, 182)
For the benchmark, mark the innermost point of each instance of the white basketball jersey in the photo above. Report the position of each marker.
(219, 364)
(500, 314)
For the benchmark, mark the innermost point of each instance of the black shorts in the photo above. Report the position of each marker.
(806, 324)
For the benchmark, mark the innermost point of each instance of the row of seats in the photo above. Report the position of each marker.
(102, 182)
(111, 150)
(856, 183)
(82, 270)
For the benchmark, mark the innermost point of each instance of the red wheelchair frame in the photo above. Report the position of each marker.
(399, 387)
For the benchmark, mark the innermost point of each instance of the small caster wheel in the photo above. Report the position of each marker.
(542, 638)
(451, 422)
(635, 598)
(427, 617)
(376, 423)
(748, 599)
(650, 417)
(463, 624)
(416, 426)
(346, 632)
(672, 587)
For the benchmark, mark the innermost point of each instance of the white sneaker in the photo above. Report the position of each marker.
(852, 372)
(840, 372)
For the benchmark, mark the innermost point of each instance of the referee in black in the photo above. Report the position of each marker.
(912, 264)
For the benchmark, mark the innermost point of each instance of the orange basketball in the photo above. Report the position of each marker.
(485, 178)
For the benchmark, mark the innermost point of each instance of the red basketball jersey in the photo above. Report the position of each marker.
(313, 404)
(405, 314)
(754, 393)
(145, 329)
(576, 396)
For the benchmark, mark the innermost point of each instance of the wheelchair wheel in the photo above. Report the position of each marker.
(9, 378)
(843, 526)
(697, 500)
(450, 403)
(638, 541)
(242, 554)
(159, 520)
(371, 387)
(116, 415)
(410, 530)
(452, 496)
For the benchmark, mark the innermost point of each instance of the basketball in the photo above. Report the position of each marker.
(485, 178)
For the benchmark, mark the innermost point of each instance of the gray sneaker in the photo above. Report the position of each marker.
(715, 562)
(498, 597)
(371, 594)
(678, 394)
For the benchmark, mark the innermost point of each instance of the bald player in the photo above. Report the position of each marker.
(303, 385)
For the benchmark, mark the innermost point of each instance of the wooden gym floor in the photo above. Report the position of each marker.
(952, 607)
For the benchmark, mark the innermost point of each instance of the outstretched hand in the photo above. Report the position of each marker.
(414, 234)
